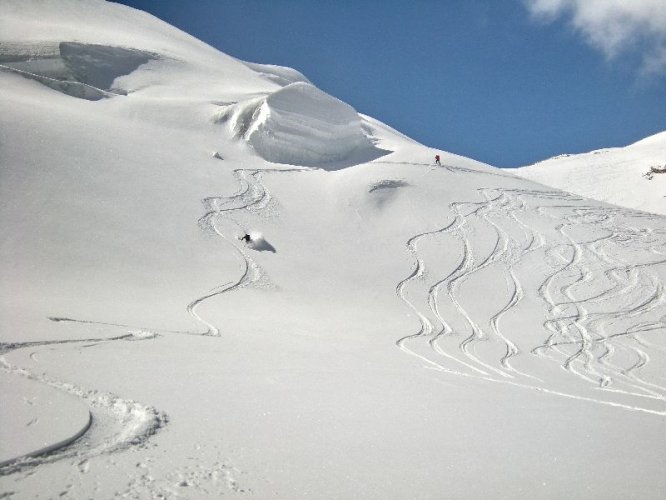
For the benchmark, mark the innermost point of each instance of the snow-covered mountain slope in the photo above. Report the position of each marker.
(615, 175)
(392, 329)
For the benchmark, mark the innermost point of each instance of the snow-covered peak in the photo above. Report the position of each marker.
(75, 47)
(658, 140)
(77, 41)
(95, 22)
(613, 175)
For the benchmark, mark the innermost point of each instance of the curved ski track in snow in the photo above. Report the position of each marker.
(251, 197)
(612, 361)
(602, 296)
(115, 423)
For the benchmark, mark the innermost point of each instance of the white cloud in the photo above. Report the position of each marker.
(614, 26)
(655, 62)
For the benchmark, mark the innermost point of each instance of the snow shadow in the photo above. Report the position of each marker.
(365, 155)
(100, 65)
(387, 184)
(384, 191)
(72, 89)
(84, 71)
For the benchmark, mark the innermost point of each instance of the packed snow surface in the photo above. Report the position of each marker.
(621, 176)
(392, 328)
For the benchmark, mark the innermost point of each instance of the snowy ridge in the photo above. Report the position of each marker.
(41, 25)
(615, 175)
(279, 74)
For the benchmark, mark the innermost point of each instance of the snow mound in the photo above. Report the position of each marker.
(86, 71)
(135, 335)
(301, 125)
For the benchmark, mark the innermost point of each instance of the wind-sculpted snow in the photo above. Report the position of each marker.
(86, 71)
(278, 74)
(301, 125)
(598, 273)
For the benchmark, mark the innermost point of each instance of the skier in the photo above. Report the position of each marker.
(247, 238)
(437, 161)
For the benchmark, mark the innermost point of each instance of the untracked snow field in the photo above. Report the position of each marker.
(392, 328)
(633, 176)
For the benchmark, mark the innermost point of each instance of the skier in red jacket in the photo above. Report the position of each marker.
(437, 160)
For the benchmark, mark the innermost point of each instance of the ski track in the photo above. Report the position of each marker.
(116, 424)
(450, 168)
(577, 338)
(251, 197)
(594, 285)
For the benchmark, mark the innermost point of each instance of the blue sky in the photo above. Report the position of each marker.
(482, 78)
